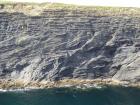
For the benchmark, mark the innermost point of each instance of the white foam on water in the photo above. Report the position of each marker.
(13, 90)
(3, 90)
(18, 90)
(86, 86)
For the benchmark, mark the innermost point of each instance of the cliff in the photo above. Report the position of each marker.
(50, 42)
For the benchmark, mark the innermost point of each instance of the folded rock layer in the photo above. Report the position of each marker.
(69, 43)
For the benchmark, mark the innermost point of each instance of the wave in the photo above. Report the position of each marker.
(18, 90)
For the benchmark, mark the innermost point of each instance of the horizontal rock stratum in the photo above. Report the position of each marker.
(51, 42)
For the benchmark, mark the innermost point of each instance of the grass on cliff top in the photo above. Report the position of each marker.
(30, 7)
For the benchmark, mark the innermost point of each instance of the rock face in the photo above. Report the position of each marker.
(60, 44)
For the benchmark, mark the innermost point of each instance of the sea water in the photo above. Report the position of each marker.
(71, 96)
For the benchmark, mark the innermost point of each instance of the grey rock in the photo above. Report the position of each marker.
(53, 47)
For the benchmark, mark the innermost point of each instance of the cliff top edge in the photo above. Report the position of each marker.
(37, 8)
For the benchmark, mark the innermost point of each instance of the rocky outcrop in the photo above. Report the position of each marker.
(66, 44)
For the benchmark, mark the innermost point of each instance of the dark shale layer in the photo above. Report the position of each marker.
(51, 42)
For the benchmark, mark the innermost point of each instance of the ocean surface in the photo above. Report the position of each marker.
(69, 96)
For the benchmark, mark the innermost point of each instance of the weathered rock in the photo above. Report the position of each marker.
(61, 44)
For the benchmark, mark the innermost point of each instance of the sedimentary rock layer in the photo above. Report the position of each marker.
(69, 43)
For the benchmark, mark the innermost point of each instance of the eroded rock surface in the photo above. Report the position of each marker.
(61, 44)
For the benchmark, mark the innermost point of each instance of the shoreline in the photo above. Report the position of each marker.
(14, 85)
